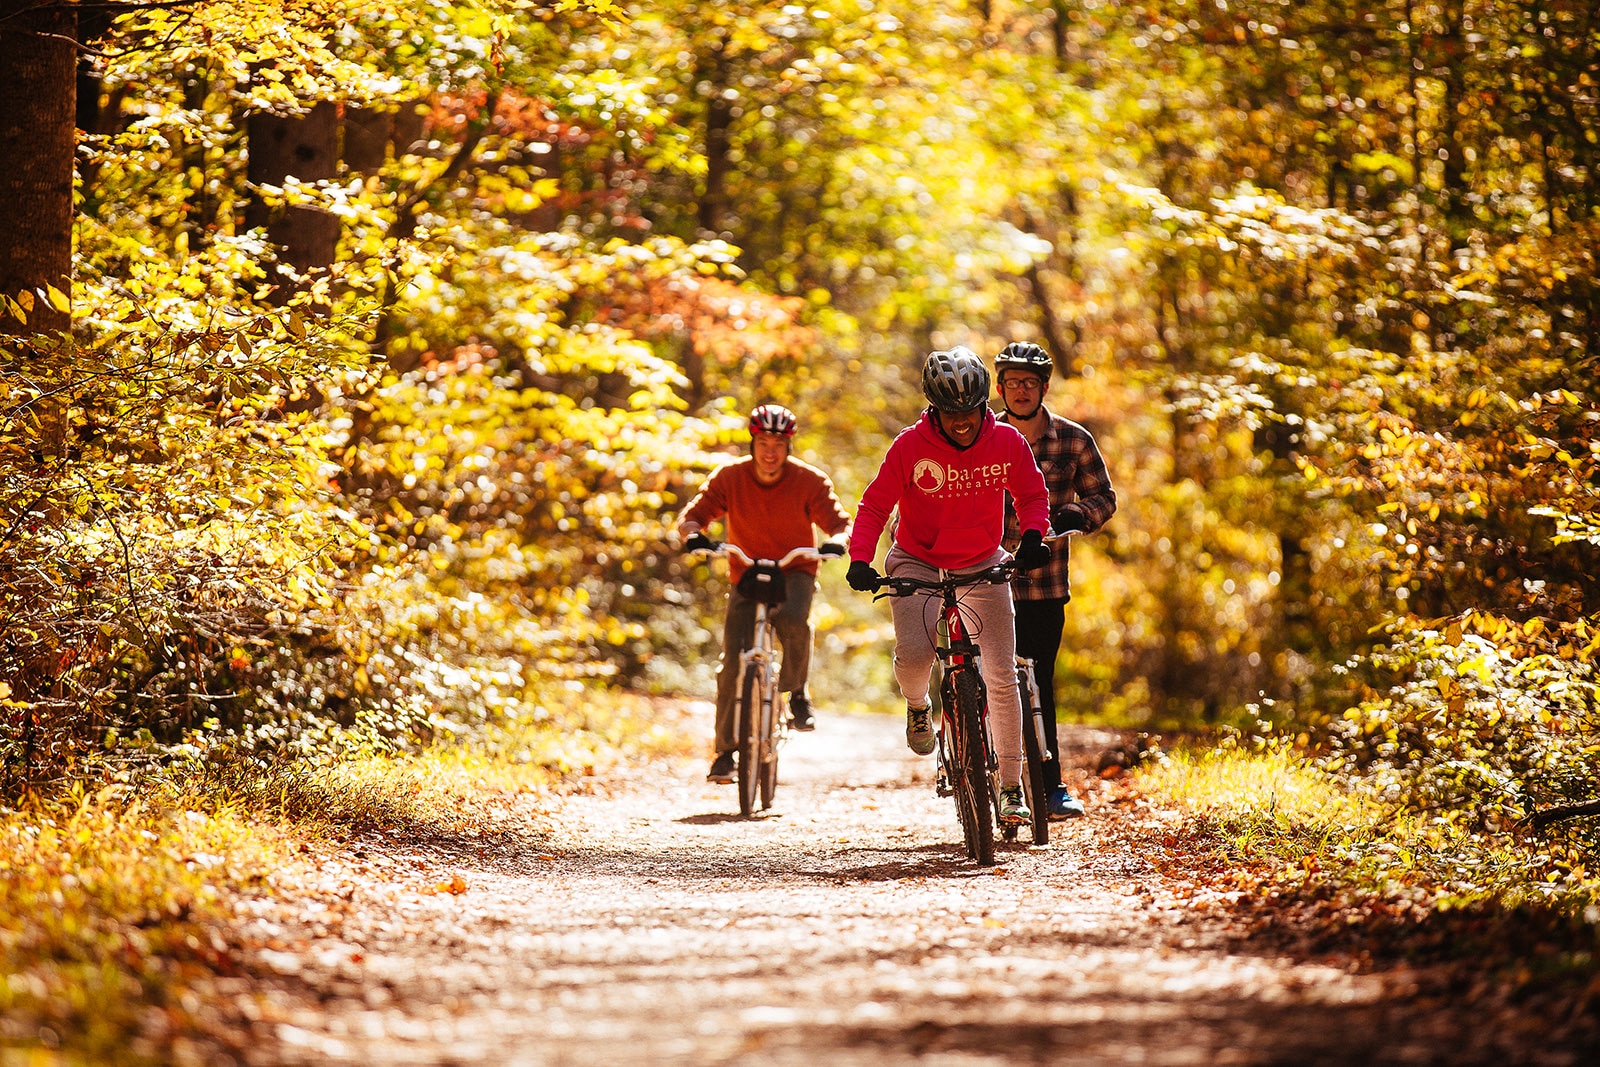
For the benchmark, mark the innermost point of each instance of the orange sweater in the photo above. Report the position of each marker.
(768, 520)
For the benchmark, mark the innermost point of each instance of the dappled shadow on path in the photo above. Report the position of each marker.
(846, 927)
(711, 819)
(1167, 1030)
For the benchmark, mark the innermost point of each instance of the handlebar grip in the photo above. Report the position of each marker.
(831, 549)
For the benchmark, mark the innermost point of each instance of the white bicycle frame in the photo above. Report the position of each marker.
(1030, 684)
(758, 765)
(762, 655)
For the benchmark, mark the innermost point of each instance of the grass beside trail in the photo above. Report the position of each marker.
(1317, 865)
(116, 903)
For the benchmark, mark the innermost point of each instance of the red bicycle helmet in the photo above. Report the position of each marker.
(772, 418)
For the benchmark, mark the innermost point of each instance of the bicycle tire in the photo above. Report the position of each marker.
(1033, 778)
(749, 773)
(952, 766)
(953, 788)
(973, 789)
(769, 758)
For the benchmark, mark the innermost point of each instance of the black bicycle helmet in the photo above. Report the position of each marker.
(772, 418)
(1024, 355)
(955, 380)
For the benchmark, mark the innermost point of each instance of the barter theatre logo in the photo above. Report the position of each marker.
(928, 476)
(934, 478)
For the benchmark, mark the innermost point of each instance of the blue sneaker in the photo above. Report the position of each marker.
(1063, 805)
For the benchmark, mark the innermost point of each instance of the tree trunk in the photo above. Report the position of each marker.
(200, 208)
(38, 82)
(99, 111)
(1059, 338)
(1058, 35)
(304, 147)
(719, 117)
(367, 134)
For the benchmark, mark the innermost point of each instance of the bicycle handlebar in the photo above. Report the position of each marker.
(799, 554)
(999, 574)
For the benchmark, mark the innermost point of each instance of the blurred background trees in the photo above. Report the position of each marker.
(398, 337)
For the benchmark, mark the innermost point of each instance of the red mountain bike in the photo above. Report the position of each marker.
(966, 759)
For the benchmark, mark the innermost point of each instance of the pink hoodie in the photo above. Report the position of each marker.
(952, 502)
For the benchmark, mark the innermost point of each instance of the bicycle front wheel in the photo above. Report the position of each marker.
(972, 769)
(1033, 777)
(950, 774)
(749, 748)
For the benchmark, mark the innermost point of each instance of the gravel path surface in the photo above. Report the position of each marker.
(846, 926)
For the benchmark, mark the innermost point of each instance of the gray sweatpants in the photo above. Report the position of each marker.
(987, 614)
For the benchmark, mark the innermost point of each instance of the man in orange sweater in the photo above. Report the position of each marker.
(768, 501)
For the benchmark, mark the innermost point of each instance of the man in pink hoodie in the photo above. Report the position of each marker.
(949, 475)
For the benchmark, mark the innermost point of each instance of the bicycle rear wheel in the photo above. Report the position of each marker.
(769, 756)
(749, 773)
(972, 769)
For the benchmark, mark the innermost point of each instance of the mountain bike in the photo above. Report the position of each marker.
(965, 759)
(761, 725)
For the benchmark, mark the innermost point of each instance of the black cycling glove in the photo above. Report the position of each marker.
(697, 542)
(1068, 520)
(862, 577)
(1033, 553)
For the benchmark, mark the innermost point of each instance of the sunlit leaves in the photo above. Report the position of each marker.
(1338, 373)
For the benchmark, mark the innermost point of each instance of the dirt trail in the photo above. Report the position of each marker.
(845, 927)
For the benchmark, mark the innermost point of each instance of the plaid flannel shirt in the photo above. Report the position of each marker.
(1076, 475)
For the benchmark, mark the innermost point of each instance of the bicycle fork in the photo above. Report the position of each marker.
(941, 774)
(1028, 686)
(757, 660)
(951, 660)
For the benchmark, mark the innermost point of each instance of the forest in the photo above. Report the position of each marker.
(355, 361)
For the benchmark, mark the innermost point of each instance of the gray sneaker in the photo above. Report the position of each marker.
(919, 729)
(1013, 808)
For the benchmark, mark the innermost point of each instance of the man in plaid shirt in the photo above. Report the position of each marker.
(1081, 501)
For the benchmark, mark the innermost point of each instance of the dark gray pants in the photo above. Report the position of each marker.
(791, 623)
(1039, 626)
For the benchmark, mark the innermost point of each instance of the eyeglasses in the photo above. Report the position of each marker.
(1026, 384)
